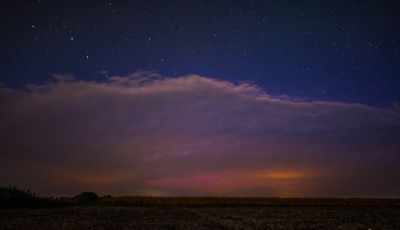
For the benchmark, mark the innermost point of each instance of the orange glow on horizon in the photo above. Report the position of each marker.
(283, 175)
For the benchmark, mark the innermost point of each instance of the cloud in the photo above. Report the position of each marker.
(148, 134)
(103, 72)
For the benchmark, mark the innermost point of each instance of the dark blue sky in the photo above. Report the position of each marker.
(207, 98)
(345, 51)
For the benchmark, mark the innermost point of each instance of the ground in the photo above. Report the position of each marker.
(100, 217)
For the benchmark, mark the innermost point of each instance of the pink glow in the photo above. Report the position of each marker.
(189, 183)
(226, 183)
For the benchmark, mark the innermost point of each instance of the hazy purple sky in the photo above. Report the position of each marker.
(192, 135)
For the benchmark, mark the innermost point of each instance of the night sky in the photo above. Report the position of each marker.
(221, 98)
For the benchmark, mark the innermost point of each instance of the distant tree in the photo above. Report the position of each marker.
(86, 198)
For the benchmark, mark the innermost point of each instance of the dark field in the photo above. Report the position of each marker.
(21, 209)
(101, 217)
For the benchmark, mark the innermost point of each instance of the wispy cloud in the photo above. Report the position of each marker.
(145, 133)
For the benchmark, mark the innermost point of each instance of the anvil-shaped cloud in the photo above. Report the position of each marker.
(192, 135)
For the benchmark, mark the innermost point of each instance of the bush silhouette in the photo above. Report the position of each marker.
(14, 197)
(86, 198)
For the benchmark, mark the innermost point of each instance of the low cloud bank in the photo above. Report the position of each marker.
(192, 135)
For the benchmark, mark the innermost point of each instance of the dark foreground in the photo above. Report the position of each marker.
(100, 217)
